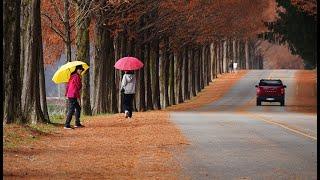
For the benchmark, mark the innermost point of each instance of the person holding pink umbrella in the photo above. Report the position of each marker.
(128, 83)
(128, 88)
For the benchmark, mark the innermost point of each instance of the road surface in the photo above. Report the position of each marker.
(233, 138)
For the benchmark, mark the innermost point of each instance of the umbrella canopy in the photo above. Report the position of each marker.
(128, 64)
(62, 75)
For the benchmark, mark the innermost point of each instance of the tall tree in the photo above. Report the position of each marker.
(100, 61)
(83, 54)
(154, 74)
(11, 56)
(30, 98)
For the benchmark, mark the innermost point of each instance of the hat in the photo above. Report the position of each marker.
(79, 67)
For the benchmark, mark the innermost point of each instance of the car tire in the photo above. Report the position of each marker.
(258, 102)
(282, 102)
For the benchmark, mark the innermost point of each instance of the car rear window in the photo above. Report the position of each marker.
(270, 83)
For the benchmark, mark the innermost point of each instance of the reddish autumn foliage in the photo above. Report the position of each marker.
(309, 6)
(193, 21)
(204, 21)
(53, 43)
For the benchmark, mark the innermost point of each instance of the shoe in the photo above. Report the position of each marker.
(79, 126)
(126, 114)
(67, 127)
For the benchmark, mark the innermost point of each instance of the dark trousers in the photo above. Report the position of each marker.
(127, 103)
(74, 108)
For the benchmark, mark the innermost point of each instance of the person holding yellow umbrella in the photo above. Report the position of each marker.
(71, 73)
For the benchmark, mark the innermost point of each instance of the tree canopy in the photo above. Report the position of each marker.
(297, 26)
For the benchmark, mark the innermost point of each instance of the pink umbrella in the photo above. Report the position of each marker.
(128, 64)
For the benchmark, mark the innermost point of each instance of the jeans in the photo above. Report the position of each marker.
(127, 103)
(74, 107)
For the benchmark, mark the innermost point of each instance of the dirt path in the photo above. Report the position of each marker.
(111, 147)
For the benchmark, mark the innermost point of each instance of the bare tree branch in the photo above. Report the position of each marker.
(55, 29)
(56, 8)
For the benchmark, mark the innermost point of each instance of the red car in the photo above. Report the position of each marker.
(270, 90)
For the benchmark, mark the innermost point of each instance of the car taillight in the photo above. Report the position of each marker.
(258, 90)
(282, 90)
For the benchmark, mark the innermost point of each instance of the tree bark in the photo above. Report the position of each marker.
(197, 70)
(11, 57)
(117, 73)
(162, 72)
(147, 80)
(171, 80)
(203, 66)
(220, 57)
(112, 86)
(166, 75)
(140, 94)
(234, 52)
(43, 96)
(99, 103)
(190, 70)
(225, 65)
(177, 76)
(30, 99)
(83, 54)
(246, 48)
(67, 28)
(154, 72)
(185, 78)
(213, 62)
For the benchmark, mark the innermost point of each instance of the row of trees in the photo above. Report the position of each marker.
(183, 44)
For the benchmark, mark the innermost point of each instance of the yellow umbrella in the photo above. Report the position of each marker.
(62, 75)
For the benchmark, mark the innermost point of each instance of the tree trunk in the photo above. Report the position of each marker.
(234, 52)
(112, 86)
(185, 77)
(83, 54)
(147, 80)
(221, 57)
(99, 103)
(190, 70)
(197, 70)
(154, 72)
(43, 96)
(162, 72)
(171, 80)
(11, 57)
(30, 99)
(117, 73)
(140, 93)
(213, 62)
(177, 78)
(208, 64)
(225, 65)
(238, 52)
(67, 29)
(246, 48)
(166, 75)
(204, 66)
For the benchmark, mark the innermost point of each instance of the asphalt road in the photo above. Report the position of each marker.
(233, 138)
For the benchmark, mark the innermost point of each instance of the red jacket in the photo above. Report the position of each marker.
(74, 86)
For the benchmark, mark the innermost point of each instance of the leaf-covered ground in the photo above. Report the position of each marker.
(112, 147)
